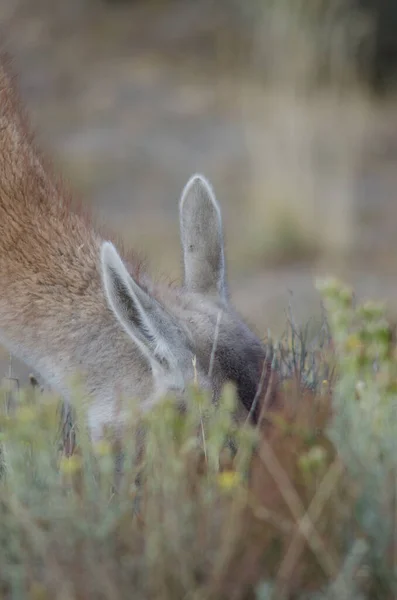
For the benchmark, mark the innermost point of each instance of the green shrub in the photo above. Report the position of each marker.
(304, 509)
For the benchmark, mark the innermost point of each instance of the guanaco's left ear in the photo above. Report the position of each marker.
(202, 239)
(140, 315)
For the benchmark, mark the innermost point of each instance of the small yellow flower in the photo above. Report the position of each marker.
(26, 414)
(103, 448)
(313, 459)
(38, 591)
(317, 455)
(353, 343)
(69, 465)
(228, 480)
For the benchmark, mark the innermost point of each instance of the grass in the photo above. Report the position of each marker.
(209, 507)
(307, 117)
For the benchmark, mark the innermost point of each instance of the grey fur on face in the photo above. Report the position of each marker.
(173, 328)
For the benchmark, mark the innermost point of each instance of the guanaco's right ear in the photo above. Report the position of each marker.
(202, 239)
(141, 316)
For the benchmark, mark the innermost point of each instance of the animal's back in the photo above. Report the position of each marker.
(34, 208)
(49, 266)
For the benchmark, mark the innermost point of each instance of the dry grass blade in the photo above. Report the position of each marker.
(305, 529)
(328, 562)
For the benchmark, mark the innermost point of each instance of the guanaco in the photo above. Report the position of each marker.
(72, 304)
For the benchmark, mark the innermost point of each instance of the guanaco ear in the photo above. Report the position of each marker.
(202, 239)
(141, 316)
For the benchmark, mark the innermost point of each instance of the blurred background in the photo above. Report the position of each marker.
(289, 107)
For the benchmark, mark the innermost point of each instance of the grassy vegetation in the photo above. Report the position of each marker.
(208, 507)
(307, 119)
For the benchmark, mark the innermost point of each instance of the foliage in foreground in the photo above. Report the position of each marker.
(304, 509)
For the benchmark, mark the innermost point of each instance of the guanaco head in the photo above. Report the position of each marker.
(192, 331)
